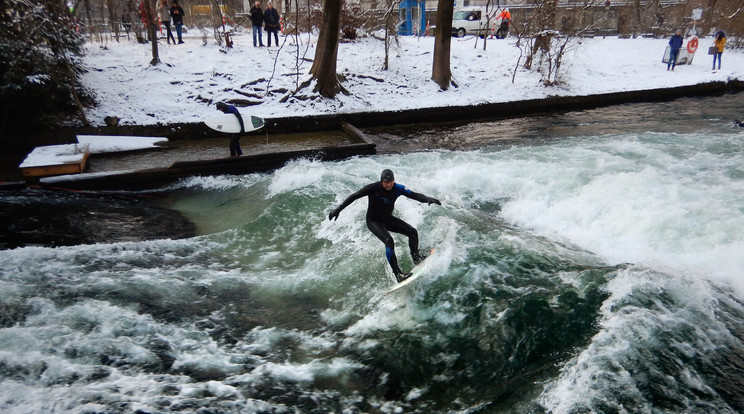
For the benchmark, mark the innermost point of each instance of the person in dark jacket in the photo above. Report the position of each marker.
(235, 150)
(257, 18)
(381, 196)
(165, 18)
(271, 23)
(176, 13)
(675, 43)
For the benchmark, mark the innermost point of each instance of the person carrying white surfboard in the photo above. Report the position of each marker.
(235, 149)
(381, 196)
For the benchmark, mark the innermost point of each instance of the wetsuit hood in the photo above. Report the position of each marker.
(387, 175)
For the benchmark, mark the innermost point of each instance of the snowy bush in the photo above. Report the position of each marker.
(38, 65)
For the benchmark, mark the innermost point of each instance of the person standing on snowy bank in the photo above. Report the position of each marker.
(165, 18)
(257, 18)
(271, 23)
(176, 13)
(720, 42)
(675, 43)
(235, 150)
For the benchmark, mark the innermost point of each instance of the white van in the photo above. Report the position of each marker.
(474, 20)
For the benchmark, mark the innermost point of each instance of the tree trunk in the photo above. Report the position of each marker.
(490, 16)
(326, 52)
(86, 3)
(543, 24)
(113, 18)
(150, 16)
(388, 27)
(709, 12)
(441, 72)
(76, 98)
(639, 16)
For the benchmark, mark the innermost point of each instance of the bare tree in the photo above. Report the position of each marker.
(88, 14)
(326, 52)
(546, 50)
(113, 6)
(638, 15)
(299, 57)
(388, 18)
(733, 19)
(724, 15)
(149, 9)
(492, 8)
(544, 25)
(739, 11)
(441, 72)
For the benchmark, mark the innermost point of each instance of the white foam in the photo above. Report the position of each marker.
(212, 388)
(295, 176)
(628, 201)
(603, 373)
(272, 372)
(663, 202)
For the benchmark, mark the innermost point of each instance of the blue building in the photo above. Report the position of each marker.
(412, 17)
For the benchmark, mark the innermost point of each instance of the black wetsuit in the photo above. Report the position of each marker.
(235, 149)
(380, 219)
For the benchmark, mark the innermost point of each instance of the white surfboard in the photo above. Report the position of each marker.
(417, 271)
(228, 123)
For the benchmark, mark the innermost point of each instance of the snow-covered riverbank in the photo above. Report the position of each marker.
(192, 76)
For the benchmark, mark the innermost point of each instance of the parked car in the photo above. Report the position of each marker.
(476, 21)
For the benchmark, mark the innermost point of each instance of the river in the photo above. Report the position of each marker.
(586, 262)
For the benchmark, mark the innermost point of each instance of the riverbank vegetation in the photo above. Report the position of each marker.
(44, 40)
(40, 50)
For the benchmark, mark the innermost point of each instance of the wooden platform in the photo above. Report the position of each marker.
(54, 160)
(152, 177)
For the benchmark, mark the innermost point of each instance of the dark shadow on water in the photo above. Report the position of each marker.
(60, 218)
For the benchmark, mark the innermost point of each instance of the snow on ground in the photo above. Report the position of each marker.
(99, 144)
(55, 155)
(192, 76)
(49, 155)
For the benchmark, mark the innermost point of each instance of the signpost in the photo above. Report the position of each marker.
(697, 14)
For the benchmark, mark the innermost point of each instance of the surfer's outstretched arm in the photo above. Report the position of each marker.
(423, 198)
(359, 194)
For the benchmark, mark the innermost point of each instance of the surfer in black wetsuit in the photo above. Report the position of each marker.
(380, 220)
(235, 150)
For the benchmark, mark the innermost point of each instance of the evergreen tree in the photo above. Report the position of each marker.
(39, 51)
